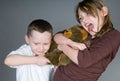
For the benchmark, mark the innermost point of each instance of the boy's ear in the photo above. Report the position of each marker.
(27, 39)
(105, 11)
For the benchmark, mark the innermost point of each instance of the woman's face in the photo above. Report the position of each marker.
(90, 23)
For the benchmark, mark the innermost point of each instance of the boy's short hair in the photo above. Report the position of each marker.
(39, 25)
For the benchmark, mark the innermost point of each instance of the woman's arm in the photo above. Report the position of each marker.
(69, 47)
(70, 52)
(61, 39)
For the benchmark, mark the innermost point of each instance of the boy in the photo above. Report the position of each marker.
(29, 59)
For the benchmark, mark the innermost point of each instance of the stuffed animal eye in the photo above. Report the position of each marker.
(68, 33)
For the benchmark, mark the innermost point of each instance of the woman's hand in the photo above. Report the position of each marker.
(78, 46)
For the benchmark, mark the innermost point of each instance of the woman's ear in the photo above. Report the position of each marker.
(27, 39)
(105, 11)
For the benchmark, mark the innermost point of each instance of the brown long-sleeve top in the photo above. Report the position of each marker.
(92, 61)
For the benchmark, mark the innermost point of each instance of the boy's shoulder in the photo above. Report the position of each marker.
(23, 50)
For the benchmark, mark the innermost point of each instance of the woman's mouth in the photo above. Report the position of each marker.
(90, 27)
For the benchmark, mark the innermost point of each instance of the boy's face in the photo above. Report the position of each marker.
(39, 42)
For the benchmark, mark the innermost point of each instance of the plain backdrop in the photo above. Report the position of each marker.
(15, 15)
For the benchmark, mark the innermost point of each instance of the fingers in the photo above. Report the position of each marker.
(41, 60)
(59, 47)
(82, 46)
(48, 61)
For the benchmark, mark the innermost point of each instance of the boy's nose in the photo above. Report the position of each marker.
(41, 47)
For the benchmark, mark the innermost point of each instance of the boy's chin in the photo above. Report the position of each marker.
(39, 54)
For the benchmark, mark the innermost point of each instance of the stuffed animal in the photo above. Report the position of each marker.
(57, 57)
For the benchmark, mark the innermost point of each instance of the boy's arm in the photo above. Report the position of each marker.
(14, 60)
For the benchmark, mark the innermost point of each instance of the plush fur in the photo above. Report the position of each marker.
(57, 57)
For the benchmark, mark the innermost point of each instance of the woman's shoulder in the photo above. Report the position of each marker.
(114, 33)
(112, 36)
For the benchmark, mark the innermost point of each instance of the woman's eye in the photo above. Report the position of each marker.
(80, 19)
(87, 13)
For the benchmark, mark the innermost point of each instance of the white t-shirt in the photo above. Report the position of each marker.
(31, 72)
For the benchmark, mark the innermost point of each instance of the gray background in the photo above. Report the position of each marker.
(15, 15)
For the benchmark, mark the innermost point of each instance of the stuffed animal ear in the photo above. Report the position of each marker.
(63, 59)
(84, 34)
(68, 33)
(53, 56)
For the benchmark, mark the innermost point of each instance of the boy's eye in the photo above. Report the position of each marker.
(36, 43)
(39, 43)
(45, 43)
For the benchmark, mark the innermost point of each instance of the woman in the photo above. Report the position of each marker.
(87, 64)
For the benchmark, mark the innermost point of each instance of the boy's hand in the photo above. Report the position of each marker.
(41, 60)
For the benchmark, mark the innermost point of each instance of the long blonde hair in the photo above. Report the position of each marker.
(91, 7)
